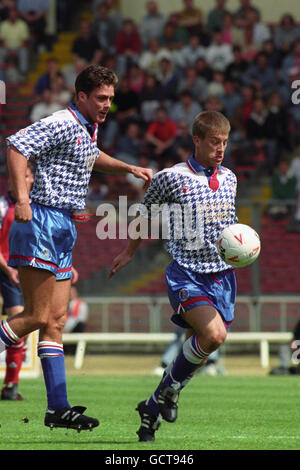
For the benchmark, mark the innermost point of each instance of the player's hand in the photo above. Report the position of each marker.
(144, 173)
(75, 275)
(119, 262)
(12, 274)
(23, 212)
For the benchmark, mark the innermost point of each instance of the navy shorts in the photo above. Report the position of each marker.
(11, 294)
(46, 242)
(187, 289)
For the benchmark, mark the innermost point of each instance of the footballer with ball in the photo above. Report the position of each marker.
(201, 285)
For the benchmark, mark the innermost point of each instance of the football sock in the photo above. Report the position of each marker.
(179, 373)
(53, 365)
(15, 356)
(7, 336)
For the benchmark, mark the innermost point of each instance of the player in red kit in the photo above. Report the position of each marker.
(11, 294)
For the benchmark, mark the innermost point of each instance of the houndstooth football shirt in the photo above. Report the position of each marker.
(64, 153)
(194, 213)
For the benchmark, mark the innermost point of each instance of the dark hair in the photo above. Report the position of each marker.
(94, 76)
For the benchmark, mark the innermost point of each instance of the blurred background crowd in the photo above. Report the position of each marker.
(170, 68)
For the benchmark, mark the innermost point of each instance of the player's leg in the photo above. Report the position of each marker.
(50, 347)
(50, 350)
(15, 356)
(37, 288)
(205, 336)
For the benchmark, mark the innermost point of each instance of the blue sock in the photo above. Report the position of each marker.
(53, 365)
(179, 373)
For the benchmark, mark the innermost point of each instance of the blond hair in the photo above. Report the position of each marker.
(208, 121)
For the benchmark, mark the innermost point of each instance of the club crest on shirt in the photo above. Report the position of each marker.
(183, 294)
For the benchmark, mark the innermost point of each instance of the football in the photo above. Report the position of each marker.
(239, 245)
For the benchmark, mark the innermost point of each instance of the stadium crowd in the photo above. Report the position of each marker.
(170, 68)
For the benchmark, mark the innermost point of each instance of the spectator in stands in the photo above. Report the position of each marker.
(242, 12)
(236, 69)
(168, 77)
(150, 58)
(291, 63)
(183, 144)
(113, 11)
(151, 96)
(5, 6)
(203, 69)
(128, 45)
(260, 75)
(160, 136)
(256, 32)
(185, 109)
(241, 114)
(34, 12)
(215, 16)
(216, 86)
(231, 33)
(182, 32)
(213, 103)
(295, 167)
(278, 122)
(188, 55)
(230, 98)
(47, 79)
(286, 33)
(171, 38)
(218, 54)
(104, 28)
(126, 108)
(97, 190)
(136, 78)
(274, 55)
(77, 313)
(14, 40)
(283, 189)
(126, 102)
(260, 136)
(152, 24)
(45, 106)
(60, 93)
(86, 46)
(196, 84)
(129, 144)
(191, 18)
(63, 8)
(70, 72)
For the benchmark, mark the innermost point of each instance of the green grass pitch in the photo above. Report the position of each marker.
(215, 413)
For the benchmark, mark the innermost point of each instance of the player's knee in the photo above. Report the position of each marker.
(216, 339)
(38, 322)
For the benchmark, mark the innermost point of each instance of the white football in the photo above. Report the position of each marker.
(239, 245)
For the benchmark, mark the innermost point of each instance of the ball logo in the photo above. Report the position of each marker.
(239, 238)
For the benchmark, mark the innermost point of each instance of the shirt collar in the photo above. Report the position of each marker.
(81, 118)
(196, 167)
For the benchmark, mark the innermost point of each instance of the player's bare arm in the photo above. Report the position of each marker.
(108, 164)
(17, 167)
